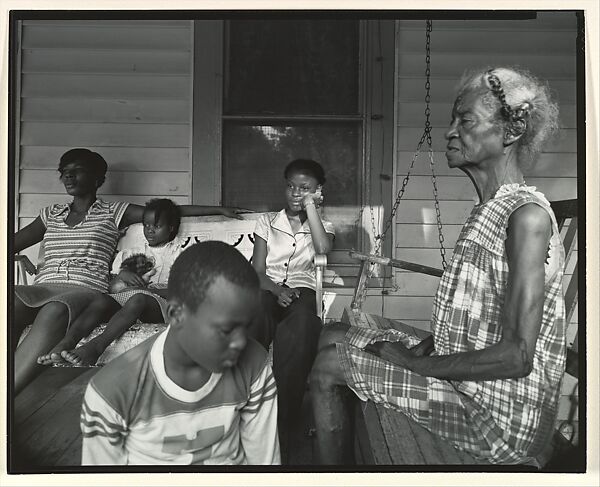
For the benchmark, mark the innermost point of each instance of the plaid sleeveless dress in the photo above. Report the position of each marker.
(505, 421)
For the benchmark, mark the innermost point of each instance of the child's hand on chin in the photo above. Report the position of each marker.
(315, 198)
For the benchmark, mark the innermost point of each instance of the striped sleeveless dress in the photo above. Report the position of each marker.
(76, 262)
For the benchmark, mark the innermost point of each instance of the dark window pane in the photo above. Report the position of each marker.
(297, 67)
(255, 156)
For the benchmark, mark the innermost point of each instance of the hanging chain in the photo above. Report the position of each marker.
(426, 137)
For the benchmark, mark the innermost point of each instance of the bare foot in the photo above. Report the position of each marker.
(86, 355)
(53, 357)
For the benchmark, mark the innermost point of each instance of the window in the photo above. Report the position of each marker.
(270, 91)
(292, 90)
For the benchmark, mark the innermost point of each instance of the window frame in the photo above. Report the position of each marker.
(376, 121)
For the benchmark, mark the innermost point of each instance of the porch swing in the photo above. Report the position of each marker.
(369, 261)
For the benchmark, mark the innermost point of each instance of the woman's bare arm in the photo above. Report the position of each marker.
(322, 241)
(135, 213)
(529, 232)
(259, 262)
(29, 235)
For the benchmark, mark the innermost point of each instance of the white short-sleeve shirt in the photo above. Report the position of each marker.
(289, 255)
(164, 256)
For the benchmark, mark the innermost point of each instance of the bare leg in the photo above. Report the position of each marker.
(331, 400)
(98, 311)
(22, 316)
(48, 328)
(138, 306)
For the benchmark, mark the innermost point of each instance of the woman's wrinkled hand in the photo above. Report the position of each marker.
(287, 295)
(424, 347)
(394, 352)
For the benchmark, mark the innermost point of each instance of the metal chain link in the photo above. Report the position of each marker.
(426, 137)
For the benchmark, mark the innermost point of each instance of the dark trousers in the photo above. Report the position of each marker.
(294, 332)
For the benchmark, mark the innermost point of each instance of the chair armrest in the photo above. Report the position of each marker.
(25, 267)
(400, 264)
(320, 261)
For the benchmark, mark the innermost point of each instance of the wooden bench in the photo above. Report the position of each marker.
(238, 233)
(387, 437)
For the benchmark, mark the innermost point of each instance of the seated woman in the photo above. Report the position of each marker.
(284, 248)
(79, 241)
(139, 289)
(488, 380)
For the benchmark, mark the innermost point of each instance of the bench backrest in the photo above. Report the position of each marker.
(194, 229)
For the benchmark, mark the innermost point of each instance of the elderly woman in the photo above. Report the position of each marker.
(488, 379)
(79, 240)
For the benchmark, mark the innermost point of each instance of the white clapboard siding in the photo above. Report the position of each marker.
(546, 47)
(120, 158)
(121, 88)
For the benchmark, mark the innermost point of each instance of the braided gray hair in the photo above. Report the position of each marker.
(521, 103)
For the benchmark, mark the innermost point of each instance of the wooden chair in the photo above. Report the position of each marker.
(384, 436)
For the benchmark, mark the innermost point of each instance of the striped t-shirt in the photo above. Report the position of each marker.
(81, 254)
(134, 414)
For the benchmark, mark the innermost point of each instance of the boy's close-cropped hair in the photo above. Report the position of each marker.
(198, 266)
(164, 206)
(305, 166)
(93, 161)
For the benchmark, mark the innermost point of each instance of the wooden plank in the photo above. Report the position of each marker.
(423, 211)
(444, 89)
(362, 446)
(425, 236)
(125, 182)
(400, 307)
(544, 21)
(106, 86)
(31, 204)
(98, 134)
(97, 36)
(460, 188)
(396, 263)
(41, 390)
(118, 158)
(155, 24)
(374, 439)
(549, 164)
(451, 62)
(71, 454)
(408, 138)
(105, 111)
(400, 442)
(527, 44)
(412, 113)
(82, 60)
(53, 428)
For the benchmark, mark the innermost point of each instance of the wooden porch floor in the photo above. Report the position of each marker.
(46, 435)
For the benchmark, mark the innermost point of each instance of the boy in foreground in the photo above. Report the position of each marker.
(198, 393)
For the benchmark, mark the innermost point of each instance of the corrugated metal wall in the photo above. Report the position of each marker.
(121, 88)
